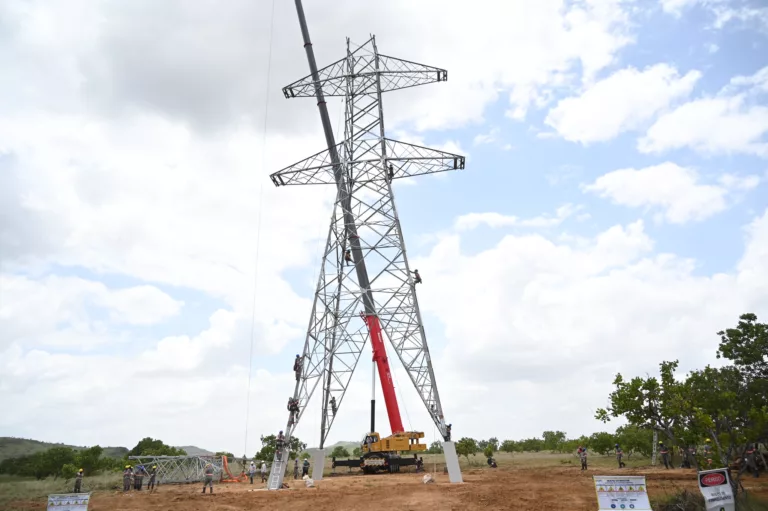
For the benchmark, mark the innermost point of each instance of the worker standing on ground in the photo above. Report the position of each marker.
(208, 477)
(78, 481)
(127, 474)
(296, 468)
(619, 455)
(263, 472)
(582, 452)
(252, 471)
(138, 478)
(305, 468)
(152, 478)
(664, 454)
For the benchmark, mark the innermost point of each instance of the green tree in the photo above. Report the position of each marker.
(340, 452)
(89, 459)
(553, 440)
(647, 402)
(357, 452)
(634, 440)
(509, 446)
(435, 448)
(466, 447)
(150, 447)
(269, 446)
(225, 453)
(602, 443)
(494, 443)
(531, 445)
(68, 471)
(488, 451)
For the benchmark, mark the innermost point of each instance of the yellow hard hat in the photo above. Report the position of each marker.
(154, 466)
(81, 470)
(127, 466)
(707, 440)
(661, 441)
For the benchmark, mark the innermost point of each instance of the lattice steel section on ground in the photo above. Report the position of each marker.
(179, 469)
(365, 221)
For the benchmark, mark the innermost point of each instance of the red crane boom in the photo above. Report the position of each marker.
(385, 375)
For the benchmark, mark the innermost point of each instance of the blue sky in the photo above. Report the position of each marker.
(131, 183)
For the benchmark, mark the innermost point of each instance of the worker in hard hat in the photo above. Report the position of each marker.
(664, 451)
(348, 257)
(208, 477)
(263, 471)
(127, 476)
(333, 405)
(448, 433)
(305, 468)
(297, 367)
(416, 277)
(78, 481)
(252, 471)
(152, 478)
(138, 478)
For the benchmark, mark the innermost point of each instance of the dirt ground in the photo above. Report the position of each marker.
(529, 489)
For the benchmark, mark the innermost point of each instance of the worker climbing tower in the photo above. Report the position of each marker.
(366, 287)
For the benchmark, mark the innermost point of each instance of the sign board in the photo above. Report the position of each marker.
(716, 487)
(68, 502)
(627, 492)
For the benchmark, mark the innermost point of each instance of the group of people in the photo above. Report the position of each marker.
(304, 468)
(262, 469)
(134, 478)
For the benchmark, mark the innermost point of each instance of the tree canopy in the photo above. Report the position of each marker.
(725, 405)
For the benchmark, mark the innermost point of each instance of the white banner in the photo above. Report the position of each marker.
(69, 502)
(715, 485)
(628, 492)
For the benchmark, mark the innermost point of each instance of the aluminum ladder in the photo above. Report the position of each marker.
(278, 471)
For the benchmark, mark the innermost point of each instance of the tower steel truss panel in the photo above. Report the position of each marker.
(180, 469)
(377, 285)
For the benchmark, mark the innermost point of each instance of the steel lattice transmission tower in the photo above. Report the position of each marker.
(373, 296)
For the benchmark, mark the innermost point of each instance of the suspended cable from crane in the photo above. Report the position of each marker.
(258, 226)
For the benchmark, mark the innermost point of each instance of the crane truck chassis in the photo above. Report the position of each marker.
(385, 454)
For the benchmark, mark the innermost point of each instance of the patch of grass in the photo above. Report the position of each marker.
(26, 489)
(693, 501)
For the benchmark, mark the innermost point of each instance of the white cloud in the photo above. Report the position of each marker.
(734, 121)
(723, 11)
(32, 310)
(713, 48)
(496, 220)
(624, 101)
(671, 188)
(676, 7)
(534, 310)
(486, 138)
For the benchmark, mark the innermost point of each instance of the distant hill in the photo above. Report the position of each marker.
(191, 450)
(11, 447)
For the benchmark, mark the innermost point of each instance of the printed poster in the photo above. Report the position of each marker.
(69, 502)
(628, 492)
(716, 487)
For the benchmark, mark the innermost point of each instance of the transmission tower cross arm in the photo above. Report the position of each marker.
(406, 160)
(394, 73)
